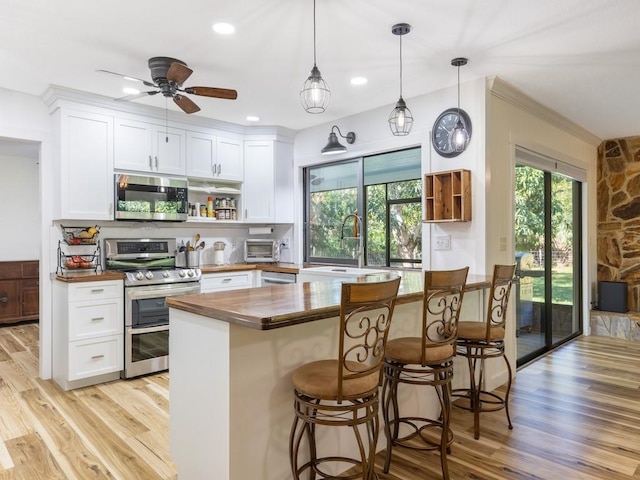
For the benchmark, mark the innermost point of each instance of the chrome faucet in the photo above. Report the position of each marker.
(358, 237)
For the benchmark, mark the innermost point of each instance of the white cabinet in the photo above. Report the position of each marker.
(268, 182)
(212, 157)
(85, 182)
(150, 148)
(214, 282)
(88, 330)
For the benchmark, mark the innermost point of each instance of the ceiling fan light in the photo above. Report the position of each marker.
(401, 119)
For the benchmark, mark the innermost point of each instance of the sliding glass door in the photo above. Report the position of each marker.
(547, 240)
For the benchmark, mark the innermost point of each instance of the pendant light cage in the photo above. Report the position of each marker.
(459, 136)
(315, 93)
(401, 119)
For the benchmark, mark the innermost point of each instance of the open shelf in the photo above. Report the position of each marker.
(448, 196)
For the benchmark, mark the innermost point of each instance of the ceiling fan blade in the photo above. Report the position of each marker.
(128, 77)
(213, 92)
(178, 73)
(136, 96)
(186, 104)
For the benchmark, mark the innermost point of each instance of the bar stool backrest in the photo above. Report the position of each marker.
(366, 310)
(503, 276)
(442, 300)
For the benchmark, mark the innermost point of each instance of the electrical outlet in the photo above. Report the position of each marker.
(285, 242)
(442, 242)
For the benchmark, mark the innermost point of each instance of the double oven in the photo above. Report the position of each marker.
(151, 276)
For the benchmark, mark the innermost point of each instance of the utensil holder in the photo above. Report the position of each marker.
(193, 259)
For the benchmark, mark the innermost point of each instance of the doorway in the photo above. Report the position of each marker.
(548, 251)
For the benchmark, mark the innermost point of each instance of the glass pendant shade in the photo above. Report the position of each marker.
(315, 93)
(459, 137)
(400, 119)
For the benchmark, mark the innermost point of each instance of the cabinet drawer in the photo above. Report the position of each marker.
(95, 290)
(96, 318)
(30, 269)
(88, 358)
(229, 281)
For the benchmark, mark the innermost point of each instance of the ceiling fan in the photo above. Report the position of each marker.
(168, 75)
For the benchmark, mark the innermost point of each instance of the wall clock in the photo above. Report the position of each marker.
(443, 129)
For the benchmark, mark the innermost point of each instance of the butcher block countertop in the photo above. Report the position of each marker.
(278, 306)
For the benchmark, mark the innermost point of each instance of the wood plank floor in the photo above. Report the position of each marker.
(576, 415)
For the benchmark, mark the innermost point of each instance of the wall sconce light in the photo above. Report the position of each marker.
(334, 146)
(315, 93)
(400, 119)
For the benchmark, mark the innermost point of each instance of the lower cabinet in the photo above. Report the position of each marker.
(88, 329)
(214, 282)
(19, 291)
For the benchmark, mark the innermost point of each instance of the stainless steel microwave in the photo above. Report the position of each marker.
(261, 251)
(141, 197)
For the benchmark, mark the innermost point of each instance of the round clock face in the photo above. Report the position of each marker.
(442, 133)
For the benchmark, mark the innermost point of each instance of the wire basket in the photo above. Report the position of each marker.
(80, 235)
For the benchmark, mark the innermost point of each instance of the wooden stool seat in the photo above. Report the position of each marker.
(343, 392)
(425, 360)
(480, 341)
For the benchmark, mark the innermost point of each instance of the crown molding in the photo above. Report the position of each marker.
(56, 95)
(505, 91)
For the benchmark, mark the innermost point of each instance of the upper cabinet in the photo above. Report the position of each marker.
(268, 182)
(215, 158)
(85, 165)
(150, 148)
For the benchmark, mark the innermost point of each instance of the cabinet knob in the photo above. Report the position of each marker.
(4, 299)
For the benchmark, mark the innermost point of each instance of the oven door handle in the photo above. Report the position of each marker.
(141, 331)
(150, 292)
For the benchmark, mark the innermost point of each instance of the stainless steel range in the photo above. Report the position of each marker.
(151, 276)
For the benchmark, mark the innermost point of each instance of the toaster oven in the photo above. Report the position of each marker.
(261, 251)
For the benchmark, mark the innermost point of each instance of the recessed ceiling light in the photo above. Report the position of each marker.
(131, 91)
(223, 28)
(252, 118)
(358, 81)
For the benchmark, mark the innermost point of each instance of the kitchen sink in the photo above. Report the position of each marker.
(328, 272)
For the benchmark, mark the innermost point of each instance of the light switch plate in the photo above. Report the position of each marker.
(285, 242)
(442, 242)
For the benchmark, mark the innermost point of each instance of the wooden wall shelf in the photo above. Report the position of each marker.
(448, 196)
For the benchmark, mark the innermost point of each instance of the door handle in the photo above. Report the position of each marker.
(150, 163)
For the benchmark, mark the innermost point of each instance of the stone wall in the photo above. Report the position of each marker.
(619, 215)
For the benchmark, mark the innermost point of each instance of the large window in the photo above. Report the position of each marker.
(388, 188)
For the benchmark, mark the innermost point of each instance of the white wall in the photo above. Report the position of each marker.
(374, 136)
(20, 208)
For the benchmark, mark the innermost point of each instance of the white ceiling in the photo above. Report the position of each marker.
(578, 57)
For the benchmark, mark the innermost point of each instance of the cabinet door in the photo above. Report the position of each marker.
(133, 145)
(30, 298)
(86, 170)
(229, 155)
(201, 155)
(169, 155)
(9, 300)
(258, 188)
(283, 181)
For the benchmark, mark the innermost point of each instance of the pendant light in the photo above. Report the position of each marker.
(333, 145)
(400, 119)
(460, 135)
(315, 94)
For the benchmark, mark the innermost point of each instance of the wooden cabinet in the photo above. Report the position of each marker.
(19, 291)
(149, 148)
(448, 196)
(268, 182)
(214, 158)
(214, 282)
(85, 181)
(88, 330)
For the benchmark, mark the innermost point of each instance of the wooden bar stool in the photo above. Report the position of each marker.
(425, 360)
(343, 392)
(478, 341)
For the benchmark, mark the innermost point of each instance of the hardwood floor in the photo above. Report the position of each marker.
(576, 415)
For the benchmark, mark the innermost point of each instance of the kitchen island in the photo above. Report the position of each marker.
(232, 355)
